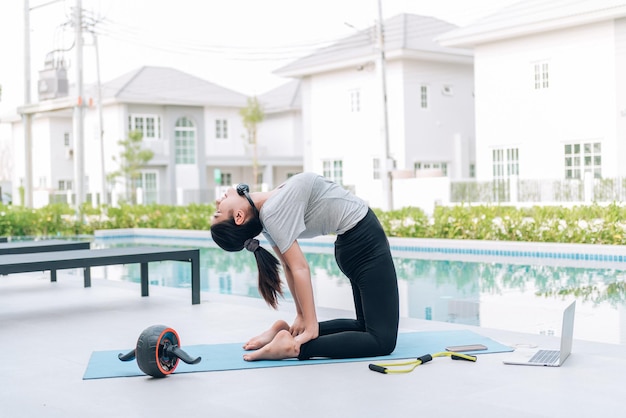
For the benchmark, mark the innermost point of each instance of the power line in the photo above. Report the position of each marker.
(130, 34)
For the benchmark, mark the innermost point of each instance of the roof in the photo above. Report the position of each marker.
(533, 16)
(282, 98)
(162, 85)
(404, 32)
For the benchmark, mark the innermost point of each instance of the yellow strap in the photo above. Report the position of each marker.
(390, 367)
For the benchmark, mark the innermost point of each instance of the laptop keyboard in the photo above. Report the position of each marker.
(545, 356)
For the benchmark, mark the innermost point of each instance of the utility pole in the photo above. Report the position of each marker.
(104, 199)
(79, 108)
(387, 165)
(27, 118)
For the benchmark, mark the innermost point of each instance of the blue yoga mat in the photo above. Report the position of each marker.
(220, 357)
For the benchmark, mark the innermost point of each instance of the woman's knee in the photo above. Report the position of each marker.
(387, 344)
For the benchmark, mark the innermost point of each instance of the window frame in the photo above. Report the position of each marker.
(541, 75)
(149, 195)
(504, 162)
(221, 128)
(583, 156)
(424, 96)
(154, 134)
(185, 148)
(355, 100)
(226, 179)
(376, 168)
(431, 165)
(65, 185)
(333, 170)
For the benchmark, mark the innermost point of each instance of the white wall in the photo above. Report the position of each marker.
(579, 105)
(424, 193)
(42, 133)
(279, 135)
(237, 135)
(620, 90)
(430, 133)
(337, 133)
(57, 163)
(443, 133)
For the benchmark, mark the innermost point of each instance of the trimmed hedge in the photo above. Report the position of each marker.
(593, 224)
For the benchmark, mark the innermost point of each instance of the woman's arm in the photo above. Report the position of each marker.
(298, 276)
(289, 278)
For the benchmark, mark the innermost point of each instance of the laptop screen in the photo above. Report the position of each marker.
(567, 333)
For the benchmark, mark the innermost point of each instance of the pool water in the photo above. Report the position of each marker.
(504, 294)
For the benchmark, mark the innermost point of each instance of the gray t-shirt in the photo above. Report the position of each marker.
(309, 205)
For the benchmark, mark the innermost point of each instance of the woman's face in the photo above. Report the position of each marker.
(225, 206)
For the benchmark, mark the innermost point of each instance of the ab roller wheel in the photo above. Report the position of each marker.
(158, 351)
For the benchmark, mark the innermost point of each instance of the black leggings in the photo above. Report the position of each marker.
(363, 255)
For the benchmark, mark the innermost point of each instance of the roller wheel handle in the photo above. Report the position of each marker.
(176, 351)
(128, 356)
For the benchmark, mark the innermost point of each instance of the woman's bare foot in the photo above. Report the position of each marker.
(283, 346)
(263, 339)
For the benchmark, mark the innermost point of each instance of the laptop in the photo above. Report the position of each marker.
(550, 358)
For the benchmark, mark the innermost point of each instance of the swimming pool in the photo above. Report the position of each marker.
(523, 289)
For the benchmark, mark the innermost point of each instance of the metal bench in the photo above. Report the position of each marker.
(59, 260)
(24, 247)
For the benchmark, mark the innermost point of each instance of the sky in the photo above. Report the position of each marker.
(233, 43)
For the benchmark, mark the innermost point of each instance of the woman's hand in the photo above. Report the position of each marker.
(301, 333)
(297, 327)
(307, 335)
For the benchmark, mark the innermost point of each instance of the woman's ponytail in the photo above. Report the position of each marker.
(232, 237)
(270, 285)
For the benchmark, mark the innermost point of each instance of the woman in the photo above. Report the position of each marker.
(305, 206)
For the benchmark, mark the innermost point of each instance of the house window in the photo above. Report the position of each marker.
(185, 141)
(472, 170)
(226, 179)
(148, 183)
(581, 158)
(541, 75)
(505, 163)
(148, 125)
(66, 139)
(333, 170)
(221, 128)
(65, 185)
(376, 168)
(428, 166)
(355, 101)
(424, 97)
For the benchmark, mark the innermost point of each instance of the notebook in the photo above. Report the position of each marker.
(551, 358)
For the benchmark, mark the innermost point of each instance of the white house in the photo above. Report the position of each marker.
(535, 91)
(430, 107)
(279, 149)
(550, 82)
(328, 119)
(193, 127)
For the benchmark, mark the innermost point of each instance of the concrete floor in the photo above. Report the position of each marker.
(51, 329)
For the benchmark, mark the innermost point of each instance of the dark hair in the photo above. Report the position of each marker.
(232, 237)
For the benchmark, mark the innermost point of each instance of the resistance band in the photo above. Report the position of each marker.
(386, 368)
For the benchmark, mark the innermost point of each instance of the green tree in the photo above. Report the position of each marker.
(131, 158)
(252, 115)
